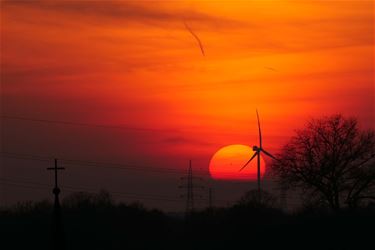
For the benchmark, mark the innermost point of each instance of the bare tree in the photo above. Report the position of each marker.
(331, 160)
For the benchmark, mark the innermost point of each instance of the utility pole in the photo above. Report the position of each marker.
(58, 241)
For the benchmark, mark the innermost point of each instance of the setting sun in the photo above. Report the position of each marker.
(227, 161)
(187, 124)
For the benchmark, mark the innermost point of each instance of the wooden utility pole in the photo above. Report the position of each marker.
(58, 239)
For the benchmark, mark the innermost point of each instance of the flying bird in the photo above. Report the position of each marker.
(196, 37)
(269, 68)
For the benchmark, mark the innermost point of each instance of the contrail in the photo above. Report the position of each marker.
(196, 37)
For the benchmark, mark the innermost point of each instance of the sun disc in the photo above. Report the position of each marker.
(226, 163)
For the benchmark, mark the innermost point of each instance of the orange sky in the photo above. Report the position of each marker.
(133, 63)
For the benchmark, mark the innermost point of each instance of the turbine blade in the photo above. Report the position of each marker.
(260, 132)
(252, 157)
(264, 151)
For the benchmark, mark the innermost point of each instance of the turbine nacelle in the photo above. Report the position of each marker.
(256, 148)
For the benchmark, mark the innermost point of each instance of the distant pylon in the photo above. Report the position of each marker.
(283, 199)
(58, 239)
(190, 192)
(210, 198)
(190, 196)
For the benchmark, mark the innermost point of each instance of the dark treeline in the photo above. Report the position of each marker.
(331, 162)
(97, 222)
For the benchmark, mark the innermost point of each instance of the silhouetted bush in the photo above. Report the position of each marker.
(94, 221)
(251, 199)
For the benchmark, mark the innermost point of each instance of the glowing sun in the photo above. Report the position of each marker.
(227, 161)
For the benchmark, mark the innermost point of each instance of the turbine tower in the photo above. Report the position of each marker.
(258, 150)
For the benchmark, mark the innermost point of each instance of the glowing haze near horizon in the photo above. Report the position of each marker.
(134, 64)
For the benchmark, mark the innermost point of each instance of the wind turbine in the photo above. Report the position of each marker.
(258, 150)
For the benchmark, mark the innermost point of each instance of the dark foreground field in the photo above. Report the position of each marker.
(103, 225)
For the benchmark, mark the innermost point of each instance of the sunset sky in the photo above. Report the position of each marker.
(126, 82)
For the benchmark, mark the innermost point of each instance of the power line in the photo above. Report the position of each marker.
(88, 163)
(86, 124)
(84, 163)
(71, 189)
(108, 126)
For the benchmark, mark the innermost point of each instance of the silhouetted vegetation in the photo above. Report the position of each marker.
(94, 221)
(251, 200)
(331, 161)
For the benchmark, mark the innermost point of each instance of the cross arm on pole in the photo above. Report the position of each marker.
(55, 169)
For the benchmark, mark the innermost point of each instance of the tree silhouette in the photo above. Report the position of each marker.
(87, 200)
(331, 160)
(251, 199)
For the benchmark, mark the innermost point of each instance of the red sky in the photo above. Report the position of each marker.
(134, 64)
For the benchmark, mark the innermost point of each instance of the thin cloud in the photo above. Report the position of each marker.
(180, 140)
(118, 11)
